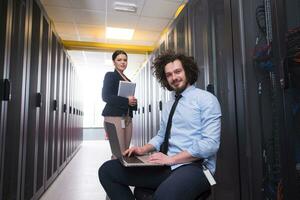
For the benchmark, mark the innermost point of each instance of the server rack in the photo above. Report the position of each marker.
(5, 34)
(286, 43)
(35, 73)
(56, 100)
(16, 72)
(188, 35)
(44, 106)
(51, 153)
(248, 56)
(31, 135)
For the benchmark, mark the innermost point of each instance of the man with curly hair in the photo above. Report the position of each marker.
(187, 142)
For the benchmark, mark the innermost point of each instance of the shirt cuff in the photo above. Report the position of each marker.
(155, 143)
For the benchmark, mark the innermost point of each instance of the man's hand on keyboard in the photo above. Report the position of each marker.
(134, 151)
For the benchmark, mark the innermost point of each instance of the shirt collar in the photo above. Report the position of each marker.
(186, 91)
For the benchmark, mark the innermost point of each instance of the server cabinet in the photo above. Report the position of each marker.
(30, 153)
(44, 107)
(144, 102)
(177, 36)
(51, 154)
(5, 35)
(259, 105)
(141, 103)
(136, 117)
(160, 90)
(140, 110)
(60, 109)
(72, 115)
(210, 38)
(155, 100)
(13, 135)
(162, 46)
(34, 102)
(60, 103)
(286, 51)
(198, 25)
(171, 39)
(150, 102)
(64, 111)
(69, 110)
(255, 108)
(134, 125)
(181, 39)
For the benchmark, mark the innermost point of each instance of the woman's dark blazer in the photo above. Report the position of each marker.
(115, 105)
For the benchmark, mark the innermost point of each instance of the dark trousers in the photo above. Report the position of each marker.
(184, 183)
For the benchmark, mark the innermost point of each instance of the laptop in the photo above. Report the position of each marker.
(132, 161)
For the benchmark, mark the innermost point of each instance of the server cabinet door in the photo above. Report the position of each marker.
(44, 109)
(287, 37)
(4, 82)
(64, 110)
(182, 45)
(52, 133)
(211, 46)
(13, 135)
(34, 104)
(198, 23)
(60, 109)
(162, 47)
(171, 39)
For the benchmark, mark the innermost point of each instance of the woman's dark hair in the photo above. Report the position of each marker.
(188, 63)
(118, 52)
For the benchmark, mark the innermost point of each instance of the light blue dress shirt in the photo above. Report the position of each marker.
(196, 126)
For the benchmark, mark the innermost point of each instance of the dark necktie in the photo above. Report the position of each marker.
(165, 144)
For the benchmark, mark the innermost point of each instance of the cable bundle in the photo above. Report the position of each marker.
(263, 49)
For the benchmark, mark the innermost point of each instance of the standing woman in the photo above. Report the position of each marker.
(118, 110)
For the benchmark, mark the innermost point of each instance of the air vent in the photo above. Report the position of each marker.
(125, 7)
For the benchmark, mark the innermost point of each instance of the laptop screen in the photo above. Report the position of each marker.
(113, 139)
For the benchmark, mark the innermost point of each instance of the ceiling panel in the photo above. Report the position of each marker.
(152, 24)
(160, 9)
(98, 5)
(122, 20)
(89, 17)
(146, 36)
(60, 14)
(65, 28)
(89, 30)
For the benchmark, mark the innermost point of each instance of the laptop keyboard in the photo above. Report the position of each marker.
(132, 159)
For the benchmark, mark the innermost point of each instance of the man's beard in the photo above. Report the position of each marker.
(180, 90)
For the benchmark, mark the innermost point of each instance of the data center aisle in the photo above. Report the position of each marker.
(79, 180)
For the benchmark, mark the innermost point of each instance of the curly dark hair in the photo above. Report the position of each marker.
(188, 63)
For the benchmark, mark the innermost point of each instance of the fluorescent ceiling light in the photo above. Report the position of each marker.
(119, 33)
(125, 7)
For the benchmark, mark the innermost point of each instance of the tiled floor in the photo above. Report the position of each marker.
(79, 180)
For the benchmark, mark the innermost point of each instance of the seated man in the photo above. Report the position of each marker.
(191, 143)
